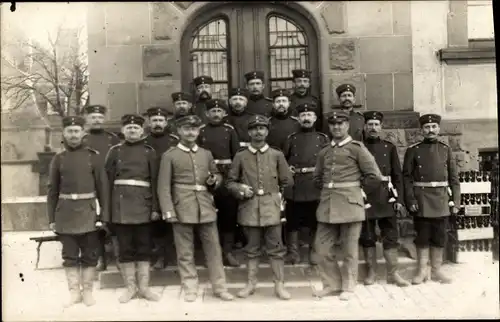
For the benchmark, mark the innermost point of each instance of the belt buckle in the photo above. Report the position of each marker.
(433, 184)
(330, 185)
(74, 196)
(303, 170)
(198, 187)
(260, 192)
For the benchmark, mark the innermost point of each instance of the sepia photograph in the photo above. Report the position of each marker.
(249, 160)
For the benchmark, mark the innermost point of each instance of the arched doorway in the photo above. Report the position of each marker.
(229, 40)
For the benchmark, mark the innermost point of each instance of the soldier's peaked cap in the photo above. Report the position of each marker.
(306, 107)
(429, 118)
(95, 109)
(344, 88)
(73, 120)
(181, 96)
(191, 120)
(257, 74)
(203, 80)
(338, 116)
(301, 73)
(258, 120)
(132, 119)
(373, 115)
(279, 92)
(156, 111)
(216, 103)
(238, 91)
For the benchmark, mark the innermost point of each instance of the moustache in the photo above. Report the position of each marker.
(432, 133)
(158, 127)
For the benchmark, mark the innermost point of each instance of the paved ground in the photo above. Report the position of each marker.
(38, 295)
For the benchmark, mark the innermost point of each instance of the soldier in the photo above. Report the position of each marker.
(100, 140)
(239, 115)
(257, 176)
(302, 94)
(385, 202)
(281, 123)
(182, 106)
(430, 179)
(258, 103)
(221, 139)
(161, 141)
(346, 95)
(132, 171)
(203, 85)
(340, 168)
(76, 178)
(185, 193)
(301, 150)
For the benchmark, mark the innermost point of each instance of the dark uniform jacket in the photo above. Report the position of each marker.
(386, 155)
(240, 124)
(182, 170)
(101, 141)
(347, 162)
(76, 171)
(280, 127)
(297, 99)
(132, 204)
(267, 172)
(161, 143)
(259, 104)
(200, 109)
(430, 161)
(301, 151)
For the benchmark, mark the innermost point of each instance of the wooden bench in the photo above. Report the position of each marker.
(40, 241)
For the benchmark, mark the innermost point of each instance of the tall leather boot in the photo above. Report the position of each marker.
(143, 276)
(371, 265)
(391, 261)
(73, 278)
(88, 274)
(249, 289)
(101, 263)
(128, 273)
(293, 256)
(423, 268)
(116, 253)
(436, 262)
(278, 267)
(227, 246)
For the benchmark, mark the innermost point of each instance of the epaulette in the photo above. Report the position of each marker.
(228, 125)
(358, 143)
(359, 113)
(275, 148)
(115, 146)
(149, 147)
(387, 141)
(323, 134)
(443, 143)
(268, 99)
(202, 126)
(290, 136)
(174, 136)
(111, 133)
(92, 150)
(294, 118)
(242, 148)
(414, 144)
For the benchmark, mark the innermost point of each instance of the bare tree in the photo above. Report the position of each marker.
(53, 77)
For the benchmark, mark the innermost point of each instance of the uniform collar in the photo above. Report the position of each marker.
(343, 142)
(186, 149)
(262, 150)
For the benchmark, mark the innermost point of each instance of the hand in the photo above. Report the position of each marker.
(454, 210)
(211, 180)
(414, 208)
(398, 206)
(52, 226)
(292, 169)
(247, 191)
(155, 216)
(169, 217)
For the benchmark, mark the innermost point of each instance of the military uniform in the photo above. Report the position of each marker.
(297, 99)
(101, 141)
(382, 212)
(258, 104)
(222, 140)
(266, 171)
(281, 125)
(339, 170)
(301, 150)
(132, 171)
(76, 178)
(428, 172)
(178, 96)
(357, 120)
(199, 107)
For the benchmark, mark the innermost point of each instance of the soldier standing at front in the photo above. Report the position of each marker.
(132, 171)
(182, 106)
(203, 85)
(239, 115)
(221, 139)
(257, 176)
(385, 202)
(76, 178)
(302, 94)
(429, 172)
(346, 94)
(188, 176)
(101, 140)
(301, 150)
(281, 123)
(340, 168)
(160, 141)
(258, 103)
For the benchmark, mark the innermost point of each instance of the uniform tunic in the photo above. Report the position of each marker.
(346, 161)
(132, 161)
(264, 170)
(280, 127)
(297, 99)
(200, 109)
(101, 141)
(161, 143)
(259, 104)
(240, 124)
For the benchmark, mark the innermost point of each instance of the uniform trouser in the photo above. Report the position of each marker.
(134, 242)
(273, 242)
(227, 214)
(162, 234)
(326, 238)
(184, 244)
(388, 231)
(85, 244)
(431, 232)
(101, 250)
(301, 214)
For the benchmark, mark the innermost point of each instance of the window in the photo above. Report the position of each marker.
(480, 19)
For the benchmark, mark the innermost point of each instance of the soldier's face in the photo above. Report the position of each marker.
(307, 119)
(157, 123)
(204, 91)
(132, 132)
(73, 135)
(281, 104)
(430, 130)
(216, 114)
(188, 133)
(347, 99)
(258, 133)
(238, 103)
(302, 84)
(95, 120)
(373, 128)
(182, 107)
(255, 86)
(339, 129)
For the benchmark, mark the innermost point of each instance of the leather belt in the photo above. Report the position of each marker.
(193, 187)
(223, 161)
(244, 144)
(386, 178)
(132, 182)
(432, 184)
(303, 170)
(77, 196)
(348, 184)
